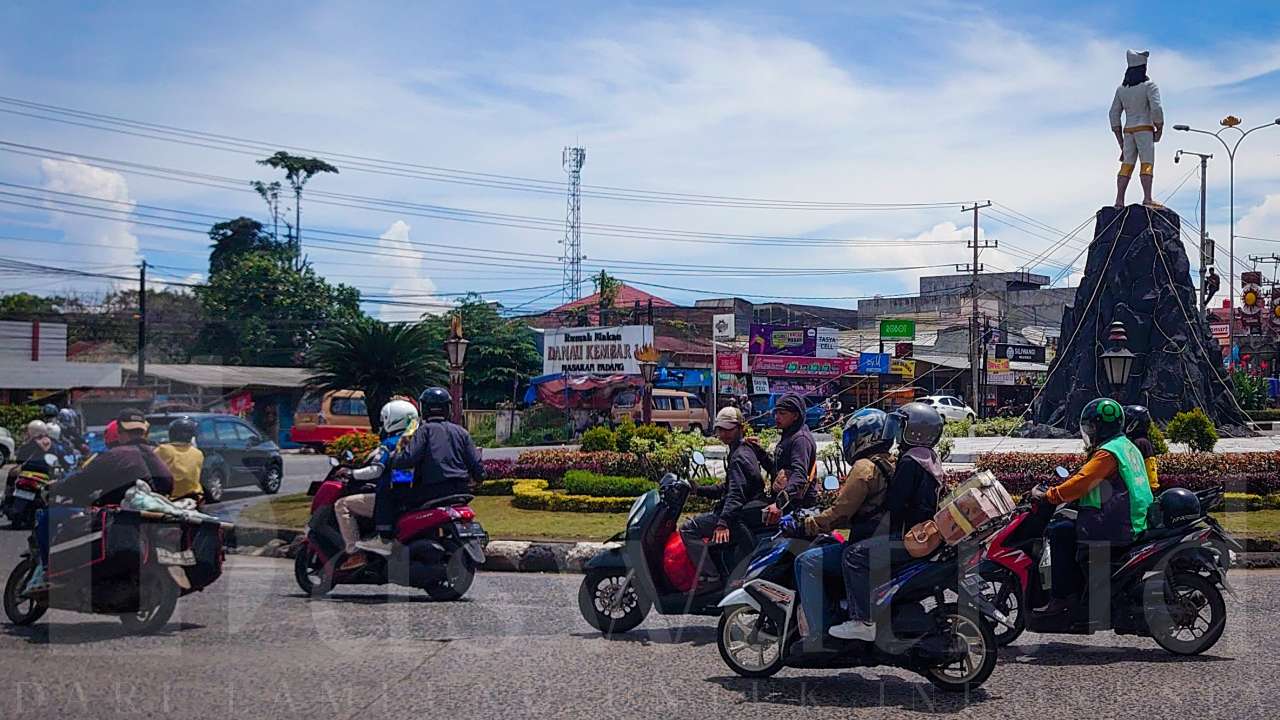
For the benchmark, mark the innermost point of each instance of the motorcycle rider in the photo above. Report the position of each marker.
(184, 460)
(867, 439)
(49, 413)
(69, 421)
(795, 460)
(444, 461)
(912, 498)
(396, 417)
(743, 483)
(1137, 426)
(1112, 493)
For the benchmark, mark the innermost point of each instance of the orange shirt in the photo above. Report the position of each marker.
(1100, 466)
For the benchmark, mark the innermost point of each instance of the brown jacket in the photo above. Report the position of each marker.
(860, 498)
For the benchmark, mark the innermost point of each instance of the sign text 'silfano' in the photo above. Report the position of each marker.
(598, 351)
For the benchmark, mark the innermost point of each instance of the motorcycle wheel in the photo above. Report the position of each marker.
(314, 577)
(158, 599)
(459, 574)
(20, 610)
(980, 661)
(603, 610)
(747, 648)
(1192, 618)
(1002, 591)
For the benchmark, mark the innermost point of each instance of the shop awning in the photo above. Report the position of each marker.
(581, 391)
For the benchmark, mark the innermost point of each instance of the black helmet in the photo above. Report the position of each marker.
(1137, 420)
(49, 411)
(182, 430)
(1101, 420)
(919, 425)
(1178, 507)
(867, 432)
(435, 402)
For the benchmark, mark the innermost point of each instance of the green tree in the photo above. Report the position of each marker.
(25, 306)
(270, 193)
(382, 359)
(234, 239)
(1250, 390)
(608, 288)
(259, 311)
(297, 170)
(502, 353)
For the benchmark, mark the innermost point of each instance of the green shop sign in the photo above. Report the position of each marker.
(897, 329)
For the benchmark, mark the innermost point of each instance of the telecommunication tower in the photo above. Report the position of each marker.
(571, 286)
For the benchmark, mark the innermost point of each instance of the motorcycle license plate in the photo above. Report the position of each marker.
(471, 529)
(24, 494)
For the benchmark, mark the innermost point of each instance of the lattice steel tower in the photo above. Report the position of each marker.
(571, 286)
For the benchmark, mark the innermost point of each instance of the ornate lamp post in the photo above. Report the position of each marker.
(1117, 360)
(648, 357)
(456, 347)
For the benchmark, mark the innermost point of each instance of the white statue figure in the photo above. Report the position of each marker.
(1139, 100)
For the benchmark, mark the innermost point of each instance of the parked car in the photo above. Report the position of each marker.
(235, 453)
(951, 408)
(816, 415)
(321, 419)
(6, 446)
(673, 409)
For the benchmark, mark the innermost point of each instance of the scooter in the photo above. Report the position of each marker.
(438, 544)
(1166, 586)
(647, 567)
(27, 493)
(931, 618)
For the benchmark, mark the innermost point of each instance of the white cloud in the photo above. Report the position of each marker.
(410, 283)
(109, 246)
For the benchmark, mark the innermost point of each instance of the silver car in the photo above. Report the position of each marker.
(951, 408)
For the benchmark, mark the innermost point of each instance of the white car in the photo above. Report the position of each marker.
(6, 446)
(949, 407)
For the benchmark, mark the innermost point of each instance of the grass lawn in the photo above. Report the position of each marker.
(1258, 524)
(502, 521)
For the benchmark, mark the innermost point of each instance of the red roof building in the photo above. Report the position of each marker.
(628, 297)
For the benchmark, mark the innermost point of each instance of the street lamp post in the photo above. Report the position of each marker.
(456, 348)
(1230, 122)
(648, 358)
(1117, 360)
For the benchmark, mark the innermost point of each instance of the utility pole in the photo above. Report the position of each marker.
(975, 332)
(142, 323)
(1206, 246)
(572, 160)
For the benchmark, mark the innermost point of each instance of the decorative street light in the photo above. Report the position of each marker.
(1230, 122)
(1117, 360)
(648, 358)
(456, 347)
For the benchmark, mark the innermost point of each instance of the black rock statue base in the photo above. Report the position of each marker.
(1039, 431)
(1137, 272)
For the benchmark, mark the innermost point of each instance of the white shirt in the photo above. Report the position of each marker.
(1140, 103)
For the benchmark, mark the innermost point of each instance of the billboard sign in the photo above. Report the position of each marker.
(897, 329)
(828, 343)
(595, 350)
(873, 363)
(1020, 353)
(905, 368)
(723, 327)
(782, 366)
(789, 340)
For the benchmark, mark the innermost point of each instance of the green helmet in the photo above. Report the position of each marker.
(1101, 420)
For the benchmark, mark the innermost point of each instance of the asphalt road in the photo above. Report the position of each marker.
(252, 647)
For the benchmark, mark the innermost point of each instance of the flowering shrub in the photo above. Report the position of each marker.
(1240, 472)
(551, 465)
(496, 487)
(359, 443)
(498, 469)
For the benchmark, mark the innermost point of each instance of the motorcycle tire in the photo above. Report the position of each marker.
(1006, 598)
(22, 611)
(593, 604)
(730, 620)
(314, 578)
(1187, 584)
(459, 574)
(158, 598)
(978, 630)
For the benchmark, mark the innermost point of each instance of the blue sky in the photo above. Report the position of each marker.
(831, 102)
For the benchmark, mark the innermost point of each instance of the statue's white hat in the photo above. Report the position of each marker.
(1138, 57)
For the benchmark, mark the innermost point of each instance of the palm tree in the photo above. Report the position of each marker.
(382, 359)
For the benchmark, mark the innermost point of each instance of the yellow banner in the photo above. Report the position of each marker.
(903, 367)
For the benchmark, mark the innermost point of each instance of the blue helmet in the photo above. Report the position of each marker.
(867, 431)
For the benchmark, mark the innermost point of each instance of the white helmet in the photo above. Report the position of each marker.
(55, 431)
(37, 428)
(397, 415)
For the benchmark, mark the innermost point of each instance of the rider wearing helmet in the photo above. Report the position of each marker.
(49, 412)
(184, 459)
(868, 437)
(1137, 425)
(1111, 491)
(71, 436)
(396, 417)
(912, 498)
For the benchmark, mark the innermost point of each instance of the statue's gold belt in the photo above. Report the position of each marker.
(1140, 128)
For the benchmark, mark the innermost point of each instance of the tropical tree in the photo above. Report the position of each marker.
(270, 193)
(236, 238)
(501, 354)
(297, 170)
(382, 359)
(608, 288)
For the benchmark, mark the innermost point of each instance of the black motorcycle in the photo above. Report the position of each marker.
(27, 489)
(931, 619)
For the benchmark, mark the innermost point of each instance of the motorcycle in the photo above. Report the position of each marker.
(438, 544)
(26, 494)
(647, 567)
(118, 561)
(1166, 586)
(931, 618)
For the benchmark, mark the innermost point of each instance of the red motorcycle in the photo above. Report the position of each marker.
(438, 544)
(1165, 586)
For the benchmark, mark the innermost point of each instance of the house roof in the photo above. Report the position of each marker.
(231, 375)
(627, 297)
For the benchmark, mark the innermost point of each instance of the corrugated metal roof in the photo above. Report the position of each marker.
(231, 375)
(58, 375)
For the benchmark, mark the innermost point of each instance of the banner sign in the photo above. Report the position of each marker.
(781, 366)
(904, 350)
(723, 327)
(997, 365)
(732, 363)
(595, 351)
(1020, 353)
(828, 343)
(905, 368)
(807, 388)
(873, 363)
(897, 329)
(790, 340)
(759, 385)
(731, 384)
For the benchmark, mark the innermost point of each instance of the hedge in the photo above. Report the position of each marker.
(582, 482)
(498, 469)
(496, 487)
(534, 495)
(1257, 472)
(1264, 415)
(14, 418)
(551, 465)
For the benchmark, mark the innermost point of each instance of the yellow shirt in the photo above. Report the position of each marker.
(185, 462)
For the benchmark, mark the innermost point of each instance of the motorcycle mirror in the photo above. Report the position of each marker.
(50, 459)
(333, 461)
(1062, 472)
(831, 483)
(347, 456)
(699, 458)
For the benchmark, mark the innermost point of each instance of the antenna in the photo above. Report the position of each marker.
(572, 160)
